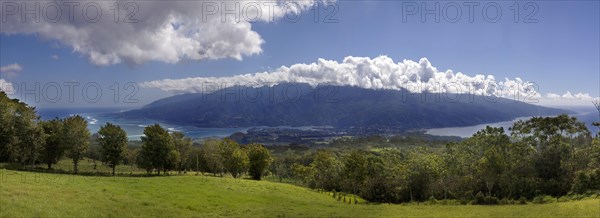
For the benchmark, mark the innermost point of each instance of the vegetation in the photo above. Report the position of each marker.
(235, 159)
(21, 135)
(540, 160)
(183, 146)
(158, 151)
(259, 158)
(542, 156)
(76, 138)
(26, 194)
(53, 149)
(113, 141)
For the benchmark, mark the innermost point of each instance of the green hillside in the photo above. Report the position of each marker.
(62, 195)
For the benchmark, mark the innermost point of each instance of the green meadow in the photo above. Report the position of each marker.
(28, 194)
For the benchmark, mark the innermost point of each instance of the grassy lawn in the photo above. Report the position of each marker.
(61, 195)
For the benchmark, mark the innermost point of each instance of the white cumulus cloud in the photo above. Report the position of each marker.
(370, 73)
(7, 87)
(551, 95)
(140, 31)
(11, 70)
(568, 98)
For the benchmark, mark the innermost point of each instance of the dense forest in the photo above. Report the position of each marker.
(542, 156)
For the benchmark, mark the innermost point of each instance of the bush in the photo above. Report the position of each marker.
(522, 200)
(586, 180)
(468, 196)
(479, 198)
(491, 200)
(432, 200)
(542, 199)
(581, 183)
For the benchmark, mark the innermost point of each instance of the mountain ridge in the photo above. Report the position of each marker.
(293, 104)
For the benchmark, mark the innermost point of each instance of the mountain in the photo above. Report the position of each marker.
(294, 104)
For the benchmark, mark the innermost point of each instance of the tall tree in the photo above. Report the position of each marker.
(235, 160)
(552, 138)
(21, 134)
(355, 170)
(237, 163)
(53, 149)
(157, 145)
(326, 168)
(76, 138)
(212, 160)
(8, 138)
(182, 146)
(113, 145)
(260, 158)
(493, 145)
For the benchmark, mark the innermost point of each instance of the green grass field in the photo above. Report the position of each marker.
(61, 195)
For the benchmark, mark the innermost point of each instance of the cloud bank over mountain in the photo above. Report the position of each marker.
(108, 32)
(374, 73)
(369, 73)
(569, 98)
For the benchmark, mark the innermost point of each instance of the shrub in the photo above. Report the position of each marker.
(432, 200)
(479, 198)
(491, 200)
(542, 199)
(468, 196)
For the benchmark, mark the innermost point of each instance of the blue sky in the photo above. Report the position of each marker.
(560, 53)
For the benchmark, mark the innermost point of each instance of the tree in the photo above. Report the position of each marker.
(130, 158)
(260, 158)
(8, 139)
(237, 163)
(31, 141)
(282, 166)
(326, 170)
(28, 135)
(182, 145)
(21, 134)
(76, 138)
(233, 159)
(553, 140)
(492, 144)
(157, 145)
(423, 167)
(113, 144)
(53, 149)
(212, 160)
(355, 170)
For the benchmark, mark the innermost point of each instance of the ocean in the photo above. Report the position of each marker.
(96, 117)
